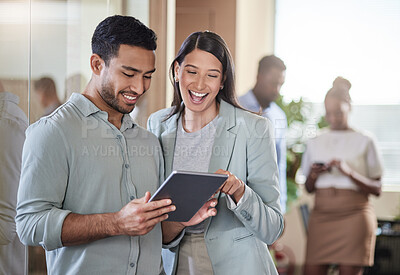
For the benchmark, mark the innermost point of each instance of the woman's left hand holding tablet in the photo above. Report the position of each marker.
(207, 210)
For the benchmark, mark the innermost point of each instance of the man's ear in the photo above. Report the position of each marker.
(96, 64)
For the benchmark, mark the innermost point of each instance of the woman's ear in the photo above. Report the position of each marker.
(176, 71)
(96, 64)
(222, 82)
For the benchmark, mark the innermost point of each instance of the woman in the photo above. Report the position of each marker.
(207, 131)
(343, 168)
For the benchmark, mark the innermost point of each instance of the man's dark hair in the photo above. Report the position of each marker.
(116, 30)
(270, 61)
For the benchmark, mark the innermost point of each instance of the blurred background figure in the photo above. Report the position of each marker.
(13, 123)
(73, 84)
(270, 78)
(45, 89)
(343, 168)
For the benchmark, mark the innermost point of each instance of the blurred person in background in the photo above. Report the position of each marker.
(13, 123)
(45, 89)
(343, 167)
(270, 78)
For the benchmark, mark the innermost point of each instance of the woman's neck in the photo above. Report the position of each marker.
(343, 128)
(194, 121)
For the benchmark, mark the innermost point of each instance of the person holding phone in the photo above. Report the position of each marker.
(343, 168)
(206, 130)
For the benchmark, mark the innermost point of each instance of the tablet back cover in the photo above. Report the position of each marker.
(188, 192)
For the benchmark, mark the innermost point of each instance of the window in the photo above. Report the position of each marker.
(356, 39)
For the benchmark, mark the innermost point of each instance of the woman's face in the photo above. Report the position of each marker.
(200, 79)
(337, 113)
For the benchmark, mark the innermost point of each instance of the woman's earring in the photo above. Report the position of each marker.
(222, 86)
(176, 79)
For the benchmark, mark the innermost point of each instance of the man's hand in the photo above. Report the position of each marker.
(233, 186)
(139, 216)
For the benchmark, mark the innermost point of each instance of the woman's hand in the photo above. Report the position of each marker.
(319, 168)
(172, 229)
(233, 186)
(316, 170)
(207, 210)
(342, 166)
(365, 184)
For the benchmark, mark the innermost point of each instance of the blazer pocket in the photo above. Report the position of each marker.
(243, 237)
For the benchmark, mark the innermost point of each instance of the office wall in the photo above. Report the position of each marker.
(254, 39)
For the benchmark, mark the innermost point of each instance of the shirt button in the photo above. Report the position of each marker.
(126, 166)
(132, 197)
(132, 264)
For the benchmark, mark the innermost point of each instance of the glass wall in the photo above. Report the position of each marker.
(46, 42)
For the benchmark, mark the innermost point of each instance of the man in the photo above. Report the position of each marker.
(87, 168)
(13, 123)
(45, 88)
(270, 78)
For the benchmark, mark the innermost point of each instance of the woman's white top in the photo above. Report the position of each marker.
(358, 149)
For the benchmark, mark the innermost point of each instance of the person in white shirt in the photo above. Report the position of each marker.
(343, 168)
(13, 123)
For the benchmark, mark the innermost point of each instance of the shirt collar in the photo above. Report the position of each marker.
(252, 100)
(88, 108)
(84, 105)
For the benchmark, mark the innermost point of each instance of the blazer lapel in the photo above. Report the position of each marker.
(168, 139)
(225, 138)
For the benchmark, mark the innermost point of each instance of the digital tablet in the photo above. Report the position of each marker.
(188, 192)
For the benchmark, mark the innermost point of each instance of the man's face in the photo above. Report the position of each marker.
(270, 83)
(127, 77)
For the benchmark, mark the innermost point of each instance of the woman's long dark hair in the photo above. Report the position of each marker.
(212, 43)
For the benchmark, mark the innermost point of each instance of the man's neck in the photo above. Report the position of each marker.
(114, 117)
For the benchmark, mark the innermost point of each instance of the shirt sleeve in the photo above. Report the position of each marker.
(43, 184)
(281, 148)
(12, 137)
(374, 162)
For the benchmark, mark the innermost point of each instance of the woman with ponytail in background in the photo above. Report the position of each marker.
(343, 168)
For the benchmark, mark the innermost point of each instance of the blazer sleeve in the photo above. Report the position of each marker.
(260, 212)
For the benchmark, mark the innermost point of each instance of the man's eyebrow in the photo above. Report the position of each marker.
(137, 70)
(193, 66)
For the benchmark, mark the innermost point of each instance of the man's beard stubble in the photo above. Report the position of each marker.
(107, 93)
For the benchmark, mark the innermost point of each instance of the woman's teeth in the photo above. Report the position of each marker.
(198, 94)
